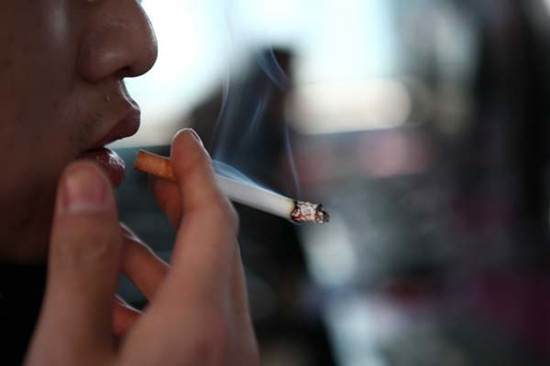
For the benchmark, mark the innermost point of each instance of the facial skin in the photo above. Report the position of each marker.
(62, 64)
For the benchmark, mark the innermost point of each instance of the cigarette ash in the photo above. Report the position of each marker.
(309, 212)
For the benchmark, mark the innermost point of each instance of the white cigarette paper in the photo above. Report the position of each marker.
(243, 193)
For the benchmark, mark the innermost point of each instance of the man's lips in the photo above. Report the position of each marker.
(127, 126)
(107, 159)
(110, 162)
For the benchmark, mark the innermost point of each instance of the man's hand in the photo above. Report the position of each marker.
(198, 312)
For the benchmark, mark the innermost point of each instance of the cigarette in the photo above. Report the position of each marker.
(243, 193)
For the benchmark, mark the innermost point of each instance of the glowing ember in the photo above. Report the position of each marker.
(309, 212)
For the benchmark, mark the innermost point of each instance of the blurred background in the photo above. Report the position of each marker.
(422, 126)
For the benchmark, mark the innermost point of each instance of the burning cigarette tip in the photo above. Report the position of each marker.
(309, 212)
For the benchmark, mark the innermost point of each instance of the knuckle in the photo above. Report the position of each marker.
(83, 254)
(74, 249)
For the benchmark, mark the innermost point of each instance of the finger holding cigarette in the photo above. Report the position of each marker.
(243, 193)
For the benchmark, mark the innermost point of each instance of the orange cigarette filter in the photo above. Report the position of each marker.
(154, 164)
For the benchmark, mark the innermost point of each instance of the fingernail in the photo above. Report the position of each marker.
(84, 191)
(195, 135)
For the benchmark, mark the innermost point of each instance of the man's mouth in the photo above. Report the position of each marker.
(109, 161)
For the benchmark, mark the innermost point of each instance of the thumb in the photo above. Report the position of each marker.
(85, 243)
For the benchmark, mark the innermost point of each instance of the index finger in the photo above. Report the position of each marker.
(206, 239)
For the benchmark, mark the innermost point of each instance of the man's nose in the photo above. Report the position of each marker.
(118, 41)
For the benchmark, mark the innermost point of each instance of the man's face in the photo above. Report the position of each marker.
(61, 98)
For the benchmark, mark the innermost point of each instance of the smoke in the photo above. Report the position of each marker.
(250, 138)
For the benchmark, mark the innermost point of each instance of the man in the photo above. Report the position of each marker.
(62, 98)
